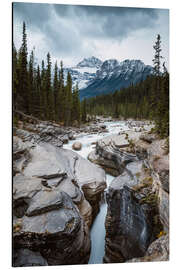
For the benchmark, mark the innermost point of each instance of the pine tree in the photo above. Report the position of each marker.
(157, 56)
(49, 93)
(157, 81)
(84, 113)
(43, 92)
(15, 82)
(23, 75)
(31, 92)
(75, 115)
(61, 95)
(56, 89)
(68, 100)
(38, 101)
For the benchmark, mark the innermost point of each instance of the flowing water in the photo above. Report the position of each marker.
(98, 228)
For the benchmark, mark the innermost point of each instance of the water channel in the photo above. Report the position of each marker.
(98, 228)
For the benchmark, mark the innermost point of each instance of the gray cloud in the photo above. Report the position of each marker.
(67, 29)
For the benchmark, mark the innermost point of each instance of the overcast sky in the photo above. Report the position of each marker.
(71, 33)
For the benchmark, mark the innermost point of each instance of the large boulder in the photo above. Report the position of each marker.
(77, 146)
(53, 226)
(132, 218)
(108, 165)
(157, 251)
(157, 160)
(112, 153)
(69, 172)
(26, 257)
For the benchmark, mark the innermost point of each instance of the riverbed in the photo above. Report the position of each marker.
(98, 228)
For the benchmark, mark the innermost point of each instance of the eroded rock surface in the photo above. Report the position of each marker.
(26, 257)
(138, 199)
(132, 208)
(157, 251)
(112, 153)
(54, 228)
(56, 195)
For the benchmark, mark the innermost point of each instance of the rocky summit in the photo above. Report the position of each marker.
(95, 77)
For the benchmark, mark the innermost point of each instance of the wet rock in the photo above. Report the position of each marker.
(65, 139)
(45, 201)
(158, 162)
(77, 146)
(21, 154)
(89, 177)
(112, 155)
(130, 216)
(149, 138)
(108, 165)
(48, 162)
(58, 232)
(157, 251)
(103, 126)
(26, 257)
(71, 136)
(25, 186)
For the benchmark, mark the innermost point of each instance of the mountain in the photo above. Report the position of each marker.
(95, 77)
(114, 75)
(84, 72)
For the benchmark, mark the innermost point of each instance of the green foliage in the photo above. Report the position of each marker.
(148, 99)
(36, 93)
(76, 110)
(83, 110)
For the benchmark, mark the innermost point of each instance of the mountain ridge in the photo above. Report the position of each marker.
(96, 77)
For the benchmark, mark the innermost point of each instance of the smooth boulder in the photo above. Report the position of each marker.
(77, 146)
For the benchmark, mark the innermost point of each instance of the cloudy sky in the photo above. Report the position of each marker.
(71, 33)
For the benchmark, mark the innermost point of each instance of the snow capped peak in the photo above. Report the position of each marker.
(92, 69)
(90, 62)
(110, 64)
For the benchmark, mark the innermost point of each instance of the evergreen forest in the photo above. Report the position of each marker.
(36, 92)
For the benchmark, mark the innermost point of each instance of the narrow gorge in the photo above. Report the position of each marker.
(106, 202)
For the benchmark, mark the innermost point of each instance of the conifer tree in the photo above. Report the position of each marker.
(15, 82)
(49, 93)
(38, 101)
(68, 100)
(31, 92)
(61, 94)
(76, 105)
(157, 81)
(84, 113)
(23, 75)
(43, 91)
(55, 87)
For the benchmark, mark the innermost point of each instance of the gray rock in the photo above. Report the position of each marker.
(110, 166)
(111, 154)
(129, 221)
(45, 201)
(26, 257)
(24, 186)
(58, 234)
(157, 251)
(149, 138)
(77, 146)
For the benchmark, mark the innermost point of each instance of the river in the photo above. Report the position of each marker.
(98, 228)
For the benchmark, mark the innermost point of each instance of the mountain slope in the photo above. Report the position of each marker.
(114, 75)
(84, 72)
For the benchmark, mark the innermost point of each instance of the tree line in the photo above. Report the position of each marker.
(37, 93)
(148, 99)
